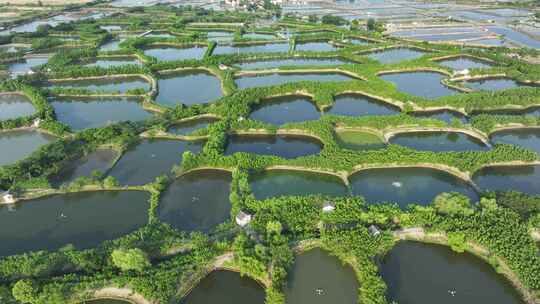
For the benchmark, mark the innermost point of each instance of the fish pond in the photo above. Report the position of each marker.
(525, 179)
(172, 53)
(395, 55)
(527, 138)
(189, 126)
(285, 109)
(83, 219)
(19, 144)
(286, 146)
(413, 274)
(253, 48)
(438, 141)
(226, 287)
(84, 113)
(105, 85)
(315, 47)
(26, 65)
(357, 140)
(407, 185)
(317, 270)
(274, 183)
(360, 105)
(188, 204)
(431, 84)
(493, 84)
(444, 115)
(149, 159)
(188, 87)
(98, 161)
(462, 63)
(15, 106)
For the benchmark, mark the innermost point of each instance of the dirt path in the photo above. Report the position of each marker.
(121, 293)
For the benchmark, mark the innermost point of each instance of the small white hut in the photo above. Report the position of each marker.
(242, 218)
(374, 230)
(7, 198)
(328, 206)
(36, 123)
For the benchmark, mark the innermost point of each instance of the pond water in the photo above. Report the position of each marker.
(525, 179)
(438, 141)
(423, 273)
(107, 63)
(83, 219)
(107, 85)
(279, 145)
(492, 84)
(100, 160)
(517, 37)
(173, 53)
(152, 158)
(220, 36)
(188, 87)
(316, 269)
(527, 138)
(19, 144)
(360, 105)
(189, 126)
(197, 201)
(84, 113)
(272, 64)
(226, 287)
(288, 182)
(273, 79)
(15, 106)
(407, 185)
(356, 140)
(462, 63)
(112, 45)
(24, 66)
(285, 109)
(258, 48)
(444, 115)
(395, 55)
(431, 84)
(315, 47)
(258, 36)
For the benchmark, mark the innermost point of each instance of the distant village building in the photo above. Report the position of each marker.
(7, 198)
(328, 206)
(374, 230)
(242, 218)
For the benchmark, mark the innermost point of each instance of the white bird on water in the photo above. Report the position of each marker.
(62, 215)
(397, 184)
(452, 292)
(319, 291)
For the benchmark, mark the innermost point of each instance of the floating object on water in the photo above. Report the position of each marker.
(452, 293)
(397, 184)
(319, 291)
